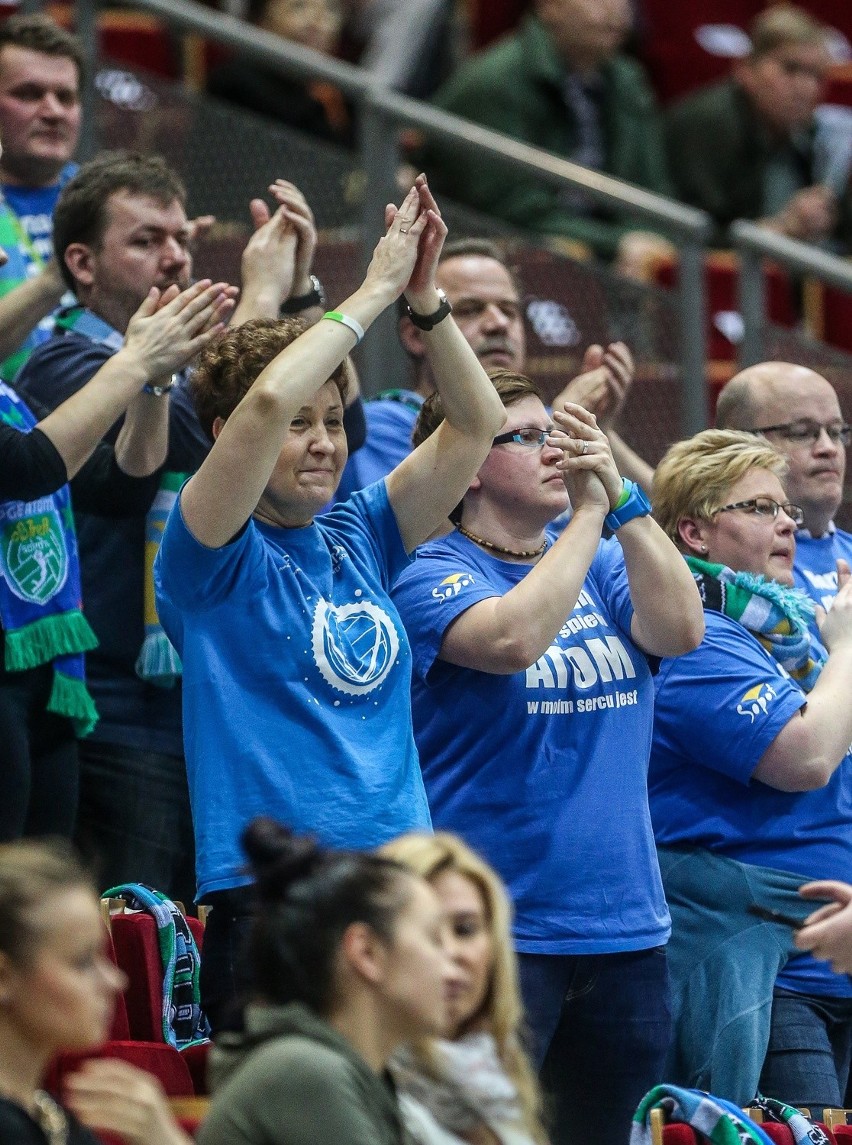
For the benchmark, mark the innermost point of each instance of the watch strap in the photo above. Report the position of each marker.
(314, 297)
(430, 321)
(636, 505)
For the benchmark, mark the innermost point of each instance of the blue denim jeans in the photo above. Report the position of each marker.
(134, 820)
(600, 1026)
(810, 1047)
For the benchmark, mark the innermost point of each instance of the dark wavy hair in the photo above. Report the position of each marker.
(306, 897)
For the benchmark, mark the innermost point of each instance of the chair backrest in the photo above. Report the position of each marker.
(138, 954)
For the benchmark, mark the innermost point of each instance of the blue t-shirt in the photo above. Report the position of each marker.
(543, 771)
(815, 566)
(390, 422)
(717, 711)
(31, 246)
(296, 681)
(134, 712)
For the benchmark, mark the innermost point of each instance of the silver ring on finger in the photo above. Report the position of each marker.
(585, 447)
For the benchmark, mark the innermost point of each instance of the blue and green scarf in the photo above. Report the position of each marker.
(157, 662)
(775, 614)
(40, 596)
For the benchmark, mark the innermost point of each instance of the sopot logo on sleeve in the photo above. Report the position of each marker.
(34, 558)
(452, 585)
(756, 701)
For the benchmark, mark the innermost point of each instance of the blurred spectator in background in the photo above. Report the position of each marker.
(316, 108)
(751, 147)
(487, 300)
(407, 44)
(40, 80)
(560, 83)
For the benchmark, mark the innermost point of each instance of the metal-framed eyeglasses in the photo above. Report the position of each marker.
(765, 507)
(807, 432)
(530, 436)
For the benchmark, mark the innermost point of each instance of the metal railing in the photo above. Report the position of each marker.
(383, 112)
(755, 244)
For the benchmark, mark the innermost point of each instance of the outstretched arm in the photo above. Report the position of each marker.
(426, 486)
(23, 308)
(812, 745)
(226, 490)
(163, 335)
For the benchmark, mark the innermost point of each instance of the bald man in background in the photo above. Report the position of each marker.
(798, 411)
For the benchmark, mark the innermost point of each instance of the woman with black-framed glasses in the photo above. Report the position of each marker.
(750, 784)
(532, 703)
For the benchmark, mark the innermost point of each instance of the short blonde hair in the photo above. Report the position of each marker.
(693, 478)
(432, 855)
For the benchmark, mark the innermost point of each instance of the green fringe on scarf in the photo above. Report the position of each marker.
(43, 640)
(70, 698)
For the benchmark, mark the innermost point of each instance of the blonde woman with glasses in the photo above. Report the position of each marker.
(750, 784)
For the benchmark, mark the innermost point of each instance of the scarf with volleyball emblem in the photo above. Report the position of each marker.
(40, 597)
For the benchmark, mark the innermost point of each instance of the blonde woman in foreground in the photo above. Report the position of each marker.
(475, 1084)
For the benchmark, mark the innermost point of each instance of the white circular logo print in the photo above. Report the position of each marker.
(33, 557)
(354, 645)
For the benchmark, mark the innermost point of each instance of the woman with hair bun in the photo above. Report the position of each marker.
(476, 1082)
(349, 963)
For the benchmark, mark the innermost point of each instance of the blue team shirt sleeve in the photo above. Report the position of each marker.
(431, 594)
(191, 577)
(723, 704)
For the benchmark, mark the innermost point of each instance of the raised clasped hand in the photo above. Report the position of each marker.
(407, 256)
(587, 464)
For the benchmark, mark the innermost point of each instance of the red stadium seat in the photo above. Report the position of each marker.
(163, 1061)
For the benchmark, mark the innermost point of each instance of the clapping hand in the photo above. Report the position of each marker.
(169, 329)
(587, 465)
(603, 385)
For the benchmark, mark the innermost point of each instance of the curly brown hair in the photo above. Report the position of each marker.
(227, 369)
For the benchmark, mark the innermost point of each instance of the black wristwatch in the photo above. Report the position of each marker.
(314, 297)
(430, 321)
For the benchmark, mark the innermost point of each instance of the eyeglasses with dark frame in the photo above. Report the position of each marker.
(808, 431)
(528, 435)
(765, 507)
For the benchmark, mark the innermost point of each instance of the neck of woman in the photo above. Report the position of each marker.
(508, 539)
(22, 1067)
(358, 1022)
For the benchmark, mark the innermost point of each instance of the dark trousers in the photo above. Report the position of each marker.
(225, 970)
(810, 1048)
(601, 1027)
(134, 822)
(39, 770)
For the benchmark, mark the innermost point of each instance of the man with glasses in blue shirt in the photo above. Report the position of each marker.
(798, 411)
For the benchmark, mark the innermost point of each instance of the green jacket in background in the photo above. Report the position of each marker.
(718, 152)
(291, 1079)
(516, 88)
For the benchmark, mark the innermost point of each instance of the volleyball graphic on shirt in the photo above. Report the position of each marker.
(354, 645)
